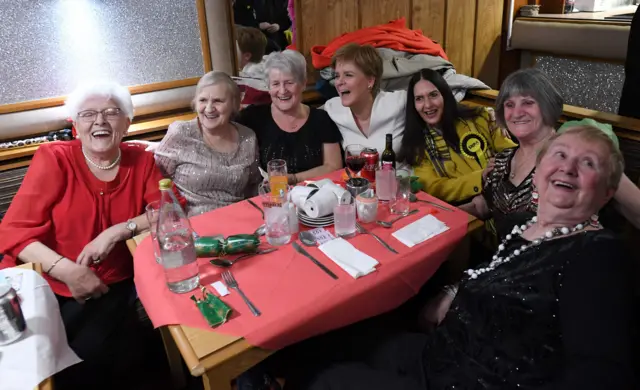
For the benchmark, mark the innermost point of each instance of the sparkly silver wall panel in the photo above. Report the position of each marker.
(590, 84)
(48, 47)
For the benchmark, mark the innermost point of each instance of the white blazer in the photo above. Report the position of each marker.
(387, 116)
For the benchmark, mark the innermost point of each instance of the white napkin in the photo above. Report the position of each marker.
(43, 350)
(420, 230)
(354, 262)
(342, 194)
(299, 195)
(321, 203)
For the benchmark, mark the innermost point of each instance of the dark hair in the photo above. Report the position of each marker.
(413, 147)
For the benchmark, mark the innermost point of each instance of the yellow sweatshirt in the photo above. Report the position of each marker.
(456, 177)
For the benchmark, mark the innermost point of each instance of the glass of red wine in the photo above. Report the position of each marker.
(354, 159)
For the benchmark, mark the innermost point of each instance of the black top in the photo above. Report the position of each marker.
(244, 13)
(558, 316)
(302, 150)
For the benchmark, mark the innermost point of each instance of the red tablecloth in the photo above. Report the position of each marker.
(297, 299)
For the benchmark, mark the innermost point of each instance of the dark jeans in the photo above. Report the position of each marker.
(98, 332)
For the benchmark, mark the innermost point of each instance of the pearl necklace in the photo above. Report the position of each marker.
(103, 167)
(518, 230)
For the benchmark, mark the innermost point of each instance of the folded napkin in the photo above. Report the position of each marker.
(321, 203)
(342, 193)
(354, 262)
(420, 230)
(299, 195)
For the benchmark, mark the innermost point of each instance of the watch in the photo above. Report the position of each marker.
(132, 227)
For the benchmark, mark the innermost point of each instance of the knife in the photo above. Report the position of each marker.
(303, 252)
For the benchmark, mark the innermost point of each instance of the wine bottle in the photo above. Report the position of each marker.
(388, 158)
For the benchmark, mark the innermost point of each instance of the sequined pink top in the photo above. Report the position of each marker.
(208, 179)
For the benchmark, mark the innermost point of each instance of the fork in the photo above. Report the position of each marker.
(365, 231)
(231, 282)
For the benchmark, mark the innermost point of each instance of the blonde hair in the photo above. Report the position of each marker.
(365, 57)
(595, 135)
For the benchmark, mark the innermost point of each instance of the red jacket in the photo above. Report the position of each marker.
(64, 206)
(393, 35)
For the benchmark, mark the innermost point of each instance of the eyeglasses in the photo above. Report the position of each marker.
(92, 115)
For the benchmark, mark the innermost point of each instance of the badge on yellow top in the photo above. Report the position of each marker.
(473, 146)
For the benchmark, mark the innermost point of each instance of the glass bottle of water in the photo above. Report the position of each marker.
(175, 238)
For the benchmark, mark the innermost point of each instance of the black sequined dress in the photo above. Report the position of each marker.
(556, 316)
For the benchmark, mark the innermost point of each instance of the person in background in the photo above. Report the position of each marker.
(273, 19)
(363, 113)
(630, 95)
(245, 14)
(212, 160)
(305, 137)
(251, 45)
(529, 106)
(448, 145)
(552, 310)
(77, 205)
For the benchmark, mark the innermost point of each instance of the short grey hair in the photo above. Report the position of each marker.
(107, 89)
(536, 84)
(288, 61)
(218, 77)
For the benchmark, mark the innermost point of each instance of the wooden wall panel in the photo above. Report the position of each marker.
(429, 16)
(470, 31)
(321, 22)
(486, 57)
(459, 37)
(374, 12)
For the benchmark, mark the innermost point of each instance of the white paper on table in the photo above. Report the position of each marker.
(43, 350)
(322, 235)
(350, 259)
(420, 230)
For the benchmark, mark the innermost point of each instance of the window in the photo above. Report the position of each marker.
(48, 47)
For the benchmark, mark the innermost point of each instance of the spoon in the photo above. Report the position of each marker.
(261, 230)
(389, 223)
(413, 198)
(229, 263)
(307, 238)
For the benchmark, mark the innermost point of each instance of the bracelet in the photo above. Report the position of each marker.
(451, 290)
(53, 265)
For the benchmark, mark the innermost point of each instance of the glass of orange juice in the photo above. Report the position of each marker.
(277, 170)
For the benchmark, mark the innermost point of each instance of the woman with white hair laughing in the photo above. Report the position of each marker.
(78, 203)
(305, 137)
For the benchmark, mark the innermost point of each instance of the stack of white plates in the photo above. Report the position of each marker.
(314, 222)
